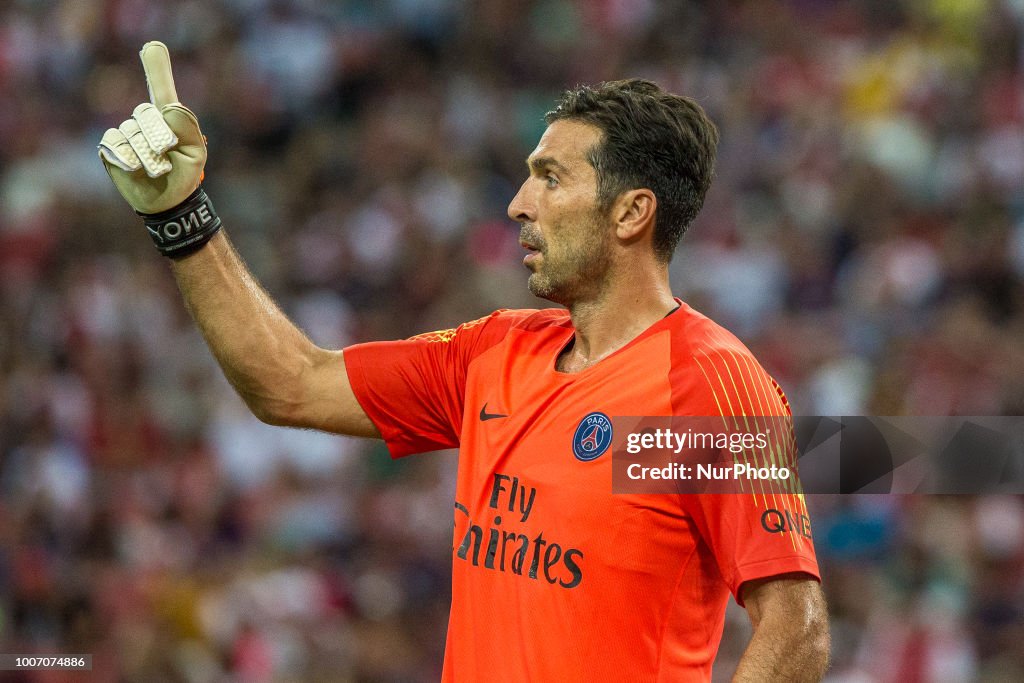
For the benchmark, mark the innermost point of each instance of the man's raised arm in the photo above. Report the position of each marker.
(156, 161)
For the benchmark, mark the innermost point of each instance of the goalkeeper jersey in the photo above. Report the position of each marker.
(554, 577)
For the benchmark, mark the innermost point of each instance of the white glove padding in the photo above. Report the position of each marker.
(140, 142)
(156, 157)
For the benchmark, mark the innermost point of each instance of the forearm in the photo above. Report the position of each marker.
(263, 354)
(790, 650)
(155, 159)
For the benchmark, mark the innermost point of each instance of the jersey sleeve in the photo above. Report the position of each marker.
(755, 539)
(764, 531)
(413, 389)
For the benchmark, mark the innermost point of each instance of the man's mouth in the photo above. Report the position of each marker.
(534, 252)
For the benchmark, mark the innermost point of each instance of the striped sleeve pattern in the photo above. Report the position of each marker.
(732, 387)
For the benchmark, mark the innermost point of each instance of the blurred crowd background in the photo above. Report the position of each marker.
(864, 236)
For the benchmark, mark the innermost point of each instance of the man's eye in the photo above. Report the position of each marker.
(551, 181)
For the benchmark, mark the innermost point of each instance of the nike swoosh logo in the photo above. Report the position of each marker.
(484, 415)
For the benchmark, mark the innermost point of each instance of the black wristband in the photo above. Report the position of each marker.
(182, 230)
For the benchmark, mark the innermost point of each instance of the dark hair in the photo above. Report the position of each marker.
(651, 139)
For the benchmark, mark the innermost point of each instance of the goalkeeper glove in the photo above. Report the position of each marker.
(156, 161)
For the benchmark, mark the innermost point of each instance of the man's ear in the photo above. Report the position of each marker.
(634, 212)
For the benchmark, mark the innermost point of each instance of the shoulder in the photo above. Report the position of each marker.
(522, 319)
(714, 364)
(476, 336)
(535, 319)
(693, 334)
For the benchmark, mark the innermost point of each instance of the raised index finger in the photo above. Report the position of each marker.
(156, 61)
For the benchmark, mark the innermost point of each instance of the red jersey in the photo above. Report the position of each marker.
(554, 578)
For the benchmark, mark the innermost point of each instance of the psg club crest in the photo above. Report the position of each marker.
(593, 437)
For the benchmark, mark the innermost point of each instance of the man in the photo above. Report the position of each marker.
(554, 578)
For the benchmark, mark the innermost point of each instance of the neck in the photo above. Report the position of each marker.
(616, 316)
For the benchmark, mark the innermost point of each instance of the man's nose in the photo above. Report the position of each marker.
(522, 208)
